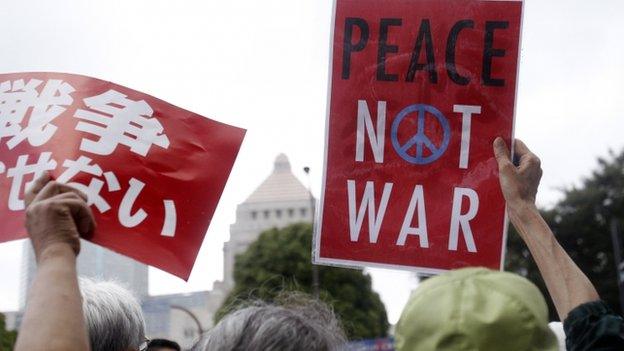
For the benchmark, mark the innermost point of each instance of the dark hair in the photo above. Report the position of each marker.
(163, 343)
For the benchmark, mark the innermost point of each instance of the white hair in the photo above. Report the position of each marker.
(113, 316)
(306, 325)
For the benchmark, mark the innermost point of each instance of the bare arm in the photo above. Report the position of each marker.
(56, 216)
(53, 318)
(567, 284)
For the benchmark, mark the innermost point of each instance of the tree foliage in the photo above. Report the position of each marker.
(281, 260)
(7, 338)
(581, 223)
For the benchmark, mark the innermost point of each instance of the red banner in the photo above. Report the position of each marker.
(419, 91)
(153, 172)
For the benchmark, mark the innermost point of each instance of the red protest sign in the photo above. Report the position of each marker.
(419, 90)
(153, 172)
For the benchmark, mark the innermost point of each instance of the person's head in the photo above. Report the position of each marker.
(475, 309)
(295, 323)
(162, 345)
(113, 316)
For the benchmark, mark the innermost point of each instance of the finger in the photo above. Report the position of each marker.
(71, 195)
(82, 215)
(54, 188)
(501, 152)
(520, 148)
(36, 187)
(528, 160)
(505, 166)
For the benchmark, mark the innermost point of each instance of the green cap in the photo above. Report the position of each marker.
(475, 309)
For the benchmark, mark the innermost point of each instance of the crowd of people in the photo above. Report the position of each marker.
(466, 309)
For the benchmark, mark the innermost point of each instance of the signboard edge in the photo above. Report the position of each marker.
(318, 220)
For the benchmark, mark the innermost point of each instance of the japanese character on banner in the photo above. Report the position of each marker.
(93, 190)
(83, 164)
(21, 169)
(138, 162)
(115, 119)
(17, 98)
(130, 220)
(124, 214)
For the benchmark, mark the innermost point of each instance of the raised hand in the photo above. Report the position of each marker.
(56, 213)
(518, 183)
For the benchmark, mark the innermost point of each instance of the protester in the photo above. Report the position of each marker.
(56, 217)
(296, 323)
(113, 315)
(478, 316)
(57, 308)
(476, 309)
(589, 324)
(163, 345)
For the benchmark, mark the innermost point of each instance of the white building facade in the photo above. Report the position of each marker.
(279, 201)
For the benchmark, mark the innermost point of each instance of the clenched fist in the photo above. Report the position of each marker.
(518, 183)
(56, 214)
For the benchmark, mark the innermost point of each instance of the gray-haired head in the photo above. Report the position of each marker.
(113, 316)
(296, 324)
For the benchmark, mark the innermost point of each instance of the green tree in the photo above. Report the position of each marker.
(581, 223)
(7, 338)
(280, 260)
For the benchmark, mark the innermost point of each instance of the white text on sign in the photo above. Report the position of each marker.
(376, 132)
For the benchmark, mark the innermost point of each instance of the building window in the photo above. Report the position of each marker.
(278, 213)
(254, 214)
(304, 212)
(291, 212)
(266, 214)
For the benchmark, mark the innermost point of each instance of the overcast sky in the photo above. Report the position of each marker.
(262, 65)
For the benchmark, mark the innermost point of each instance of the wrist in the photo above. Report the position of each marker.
(522, 214)
(521, 209)
(531, 226)
(58, 250)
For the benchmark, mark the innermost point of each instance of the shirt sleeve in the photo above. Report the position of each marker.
(594, 326)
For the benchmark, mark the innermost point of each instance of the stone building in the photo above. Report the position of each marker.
(279, 201)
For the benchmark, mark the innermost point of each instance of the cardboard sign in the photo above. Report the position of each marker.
(153, 172)
(419, 90)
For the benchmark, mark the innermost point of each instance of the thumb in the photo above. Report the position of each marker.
(502, 154)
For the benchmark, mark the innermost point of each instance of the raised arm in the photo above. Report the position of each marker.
(55, 218)
(567, 284)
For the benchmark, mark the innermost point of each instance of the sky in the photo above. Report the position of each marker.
(262, 65)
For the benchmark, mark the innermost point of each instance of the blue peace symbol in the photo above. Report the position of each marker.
(420, 140)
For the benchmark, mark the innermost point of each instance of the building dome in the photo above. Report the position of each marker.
(280, 200)
(281, 163)
(280, 185)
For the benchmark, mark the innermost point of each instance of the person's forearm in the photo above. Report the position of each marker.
(567, 284)
(53, 318)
